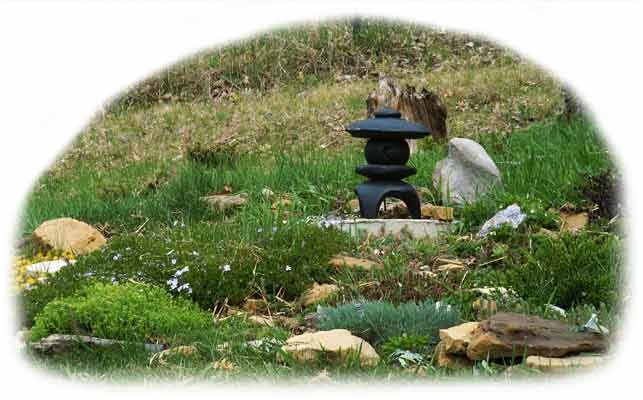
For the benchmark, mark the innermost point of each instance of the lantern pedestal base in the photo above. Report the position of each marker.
(372, 193)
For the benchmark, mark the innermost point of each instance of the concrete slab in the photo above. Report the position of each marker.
(415, 228)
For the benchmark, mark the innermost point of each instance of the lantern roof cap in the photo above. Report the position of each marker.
(387, 123)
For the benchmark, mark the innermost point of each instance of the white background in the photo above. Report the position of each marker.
(60, 62)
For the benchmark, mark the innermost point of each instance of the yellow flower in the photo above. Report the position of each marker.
(22, 278)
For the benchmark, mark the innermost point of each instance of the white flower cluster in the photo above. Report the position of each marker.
(173, 282)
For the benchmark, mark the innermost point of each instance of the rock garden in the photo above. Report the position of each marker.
(355, 200)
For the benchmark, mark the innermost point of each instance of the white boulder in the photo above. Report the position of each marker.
(467, 172)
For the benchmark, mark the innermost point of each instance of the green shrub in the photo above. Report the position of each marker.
(573, 270)
(135, 312)
(412, 343)
(376, 322)
(209, 264)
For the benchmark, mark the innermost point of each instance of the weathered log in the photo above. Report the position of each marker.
(423, 107)
(62, 343)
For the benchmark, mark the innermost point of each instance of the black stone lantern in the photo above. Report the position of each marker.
(386, 153)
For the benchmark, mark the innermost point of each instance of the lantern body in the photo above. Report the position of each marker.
(386, 152)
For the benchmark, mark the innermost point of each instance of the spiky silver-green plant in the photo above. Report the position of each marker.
(376, 321)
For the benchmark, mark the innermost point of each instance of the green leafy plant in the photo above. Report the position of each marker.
(135, 312)
(412, 343)
(377, 321)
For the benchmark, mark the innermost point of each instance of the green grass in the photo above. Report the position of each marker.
(544, 163)
(317, 178)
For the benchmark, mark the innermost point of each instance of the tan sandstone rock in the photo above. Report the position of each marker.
(573, 222)
(552, 364)
(511, 334)
(352, 262)
(68, 234)
(448, 360)
(437, 212)
(456, 339)
(225, 202)
(353, 205)
(261, 320)
(318, 293)
(337, 342)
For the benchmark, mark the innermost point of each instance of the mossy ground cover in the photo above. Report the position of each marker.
(138, 173)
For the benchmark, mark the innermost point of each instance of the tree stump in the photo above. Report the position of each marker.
(423, 107)
(573, 105)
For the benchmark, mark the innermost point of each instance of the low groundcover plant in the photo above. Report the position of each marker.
(130, 311)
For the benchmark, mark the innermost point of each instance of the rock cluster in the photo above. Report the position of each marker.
(514, 335)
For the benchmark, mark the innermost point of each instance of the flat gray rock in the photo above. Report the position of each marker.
(466, 173)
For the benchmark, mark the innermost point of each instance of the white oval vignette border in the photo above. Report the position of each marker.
(61, 61)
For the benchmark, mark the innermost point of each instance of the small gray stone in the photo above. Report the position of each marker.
(467, 172)
(510, 215)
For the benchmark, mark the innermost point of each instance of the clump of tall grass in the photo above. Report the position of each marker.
(379, 321)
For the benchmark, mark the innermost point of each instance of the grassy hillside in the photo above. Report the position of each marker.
(314, 53)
